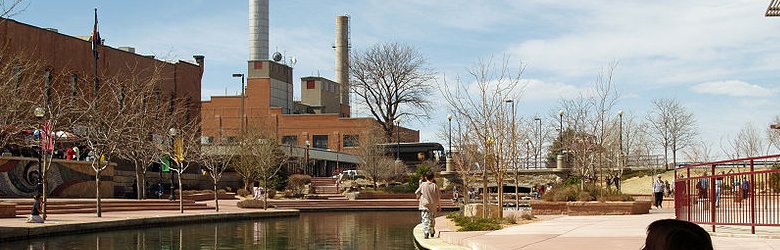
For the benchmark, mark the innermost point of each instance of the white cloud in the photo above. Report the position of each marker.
(732, 88)
(539, 90)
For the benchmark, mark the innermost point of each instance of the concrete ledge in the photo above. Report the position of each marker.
(590, 208)
(16, 233)
(434, 243)
(7, 210)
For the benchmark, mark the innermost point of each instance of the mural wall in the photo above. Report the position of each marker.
(66, 179)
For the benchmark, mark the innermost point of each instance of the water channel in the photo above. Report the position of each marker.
(312, 230)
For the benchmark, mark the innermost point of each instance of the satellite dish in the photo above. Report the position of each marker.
(293, 60)
(277, 56)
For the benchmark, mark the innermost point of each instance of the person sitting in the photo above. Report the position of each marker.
(37, 210)
(672, 234)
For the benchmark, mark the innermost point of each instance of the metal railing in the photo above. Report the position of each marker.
(739, 192)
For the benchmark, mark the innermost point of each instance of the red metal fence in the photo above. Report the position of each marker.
(742, 192)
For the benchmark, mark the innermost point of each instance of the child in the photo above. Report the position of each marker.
(35, 214)
(429, 204)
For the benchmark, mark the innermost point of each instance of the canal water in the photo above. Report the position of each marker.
(312, 230)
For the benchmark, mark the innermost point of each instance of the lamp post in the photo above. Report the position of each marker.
(398, 139)
(39, 113)
(527, 151)
(560, 132)
(172, 132)
(538, 152)
(514, 148)
(620, 138)
(448, 166)
(306, 155)
(242, 100)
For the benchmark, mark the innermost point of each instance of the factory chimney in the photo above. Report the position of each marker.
(342, 60)
(258, 30)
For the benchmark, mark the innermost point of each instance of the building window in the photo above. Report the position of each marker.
(351, 141)
(74, 81)
(290, 140)
(47, 79)
(320, 141)
(309, 84)
(206, 140)
(230, 140)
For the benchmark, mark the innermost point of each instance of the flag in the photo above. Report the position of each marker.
(165, 164)
(95, 37)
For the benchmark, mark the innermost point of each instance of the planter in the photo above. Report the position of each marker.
(590, 207)
(7, 210)
(475, 210)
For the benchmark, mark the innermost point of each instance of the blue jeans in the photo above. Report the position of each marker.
(428, 222)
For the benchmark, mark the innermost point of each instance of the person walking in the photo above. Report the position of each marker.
(428, 204)
(658, 192)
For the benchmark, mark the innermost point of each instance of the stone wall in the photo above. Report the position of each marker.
(590, 208)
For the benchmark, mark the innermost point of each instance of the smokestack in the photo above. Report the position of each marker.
(258, 30)
(342, 57)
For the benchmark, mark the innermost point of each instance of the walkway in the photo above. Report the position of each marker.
(580, 232)
(15, 228)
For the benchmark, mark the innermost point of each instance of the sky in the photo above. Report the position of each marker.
(719, 58)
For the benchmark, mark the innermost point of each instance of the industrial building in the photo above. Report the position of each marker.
(318, 126)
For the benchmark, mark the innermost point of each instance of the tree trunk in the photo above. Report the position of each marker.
(500, 199)
(216, 196)
(44, 196)
(181, 197)
(138, 184)
(97, 192)
(265, 196)
(143, 186)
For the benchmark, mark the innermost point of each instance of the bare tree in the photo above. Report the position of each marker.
(186, 148)
(260, 158)
(672, 126)
(216, 159)
(486, 118)
(774, 134)
(699, 152)
(373, 160)
(9, 8)
(18, 76)
(747, 143)
(392, 80)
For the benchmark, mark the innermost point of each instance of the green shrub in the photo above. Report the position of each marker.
(243, 192)
(296, 184)
(475, 223)
(403, 188)
(591, 193)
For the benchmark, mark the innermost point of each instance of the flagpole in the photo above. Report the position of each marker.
(95, 42)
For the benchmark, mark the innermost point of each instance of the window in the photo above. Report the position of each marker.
(290, 140)
(74, 81)
(320, 141)
(206, 140)
(351, 141)
(309, 84)
(47, 78)
(230, 140)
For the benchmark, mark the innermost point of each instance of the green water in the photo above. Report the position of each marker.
(313, 230)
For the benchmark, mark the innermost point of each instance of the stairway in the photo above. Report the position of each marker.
(325, 187)
(62, 206)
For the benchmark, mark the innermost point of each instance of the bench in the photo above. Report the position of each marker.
(7, 210)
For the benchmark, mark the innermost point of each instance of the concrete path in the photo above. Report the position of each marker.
(16, 228)
(581, 232)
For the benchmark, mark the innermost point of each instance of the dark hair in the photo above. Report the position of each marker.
(429, 176)
(671, 234)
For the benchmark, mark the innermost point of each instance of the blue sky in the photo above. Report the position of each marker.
(720, 58)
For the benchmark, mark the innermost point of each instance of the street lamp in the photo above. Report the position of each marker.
(308, 144)
(527, 151)
(398, 139)
(538, 153)
(620, 137)
(39, 113)
(242, 100)
(560, 132)
(448, 166)
(172, 132)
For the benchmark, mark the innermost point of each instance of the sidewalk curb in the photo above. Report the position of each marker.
(435, 243)
(18, 233)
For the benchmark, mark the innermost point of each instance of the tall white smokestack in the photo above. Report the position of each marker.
(258, 30)
(342, 57)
